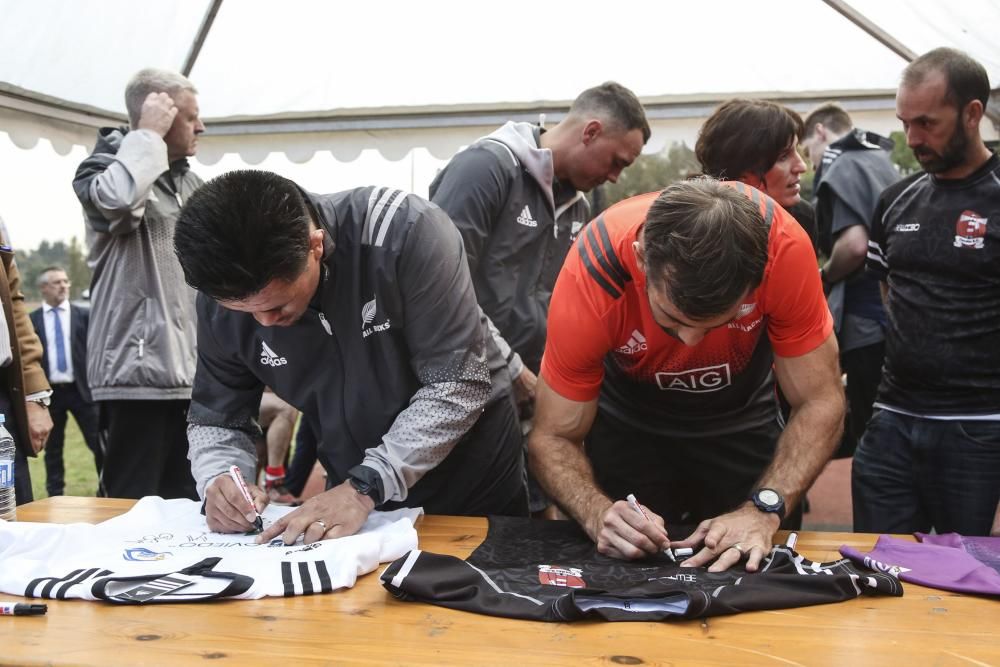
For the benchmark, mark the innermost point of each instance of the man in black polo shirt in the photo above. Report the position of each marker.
(930, 457)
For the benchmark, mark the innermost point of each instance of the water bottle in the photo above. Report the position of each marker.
(8, 504)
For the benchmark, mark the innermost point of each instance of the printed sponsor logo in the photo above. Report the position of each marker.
(696, 380)
(970, 230)
(269, 357)
(143, 554)
(636, 343)
(907, 227)
(557, 575)
(526, 219)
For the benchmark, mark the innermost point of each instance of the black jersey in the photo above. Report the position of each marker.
(551, 571)
(937, 244)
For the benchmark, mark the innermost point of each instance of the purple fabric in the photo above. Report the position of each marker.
(951, 561)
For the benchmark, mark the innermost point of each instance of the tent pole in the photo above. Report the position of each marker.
(199, 38)
(891, 43)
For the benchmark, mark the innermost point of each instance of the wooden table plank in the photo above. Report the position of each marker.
(365, 625)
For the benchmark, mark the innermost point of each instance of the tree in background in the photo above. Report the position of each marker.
(71, 256)
(902, 156)
(649, 173)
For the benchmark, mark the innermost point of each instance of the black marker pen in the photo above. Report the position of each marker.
(22, 609)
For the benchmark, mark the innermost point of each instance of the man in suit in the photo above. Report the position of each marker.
(62, 328)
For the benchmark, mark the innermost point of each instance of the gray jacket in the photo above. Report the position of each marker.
(518, 224)
(141, 344)
(392, 362)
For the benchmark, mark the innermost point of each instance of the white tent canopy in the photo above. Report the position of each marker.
(336, 94)
(303, 76)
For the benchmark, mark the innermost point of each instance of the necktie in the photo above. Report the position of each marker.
(60, 343)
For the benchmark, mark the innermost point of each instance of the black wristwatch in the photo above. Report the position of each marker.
(770, 501)
(366, 482)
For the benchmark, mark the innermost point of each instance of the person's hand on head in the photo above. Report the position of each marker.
(745, 533)
(158, 113)
(339, 512)
(226, 509)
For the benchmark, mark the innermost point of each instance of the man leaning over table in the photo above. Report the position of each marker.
(657, 380)
(357, 309)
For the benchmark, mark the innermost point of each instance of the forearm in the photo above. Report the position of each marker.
(423, 434)
(213, 449)
(842, 263)
(805, 446)
(562, 468)
(119, 191)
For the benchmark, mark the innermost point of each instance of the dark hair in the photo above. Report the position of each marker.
(240, 231)
(615, 104)
(831, 115)
(745, 136)
(967, 79)
(705, 245)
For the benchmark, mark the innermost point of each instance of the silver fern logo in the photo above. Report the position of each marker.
(367, 314)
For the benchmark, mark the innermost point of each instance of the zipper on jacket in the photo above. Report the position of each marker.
(326, 325)
(142, 344)
(177, 196)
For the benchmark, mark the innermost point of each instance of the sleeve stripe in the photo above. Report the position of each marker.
(581, 247)
(768, 211)
(400, 198)
(876, 255)
(620, 271)
(382, 215)
(602, 259)
(366, 229)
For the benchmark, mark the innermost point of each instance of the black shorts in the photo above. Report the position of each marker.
(683, 479)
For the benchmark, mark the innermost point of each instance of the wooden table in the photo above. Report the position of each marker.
(365, 625)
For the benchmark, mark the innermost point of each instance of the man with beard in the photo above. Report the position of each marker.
(930, 457)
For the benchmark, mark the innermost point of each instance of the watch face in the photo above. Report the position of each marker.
(768, 497)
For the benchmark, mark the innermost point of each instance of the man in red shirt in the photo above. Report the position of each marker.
(668, 324)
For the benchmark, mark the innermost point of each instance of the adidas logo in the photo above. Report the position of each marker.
(636, 343)
(269, 357)
(746, 309)
(526, 219)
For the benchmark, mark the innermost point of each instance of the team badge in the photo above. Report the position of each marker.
(556, 575)
(970, 230)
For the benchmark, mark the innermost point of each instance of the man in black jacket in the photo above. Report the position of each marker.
(356, 308)
(852, 169)
(62, 328)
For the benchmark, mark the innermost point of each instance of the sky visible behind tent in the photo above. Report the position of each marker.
(310, 55)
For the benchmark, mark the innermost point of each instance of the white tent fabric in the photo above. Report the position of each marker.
(307, 75)
(337, 94)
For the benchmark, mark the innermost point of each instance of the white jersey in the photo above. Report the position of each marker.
(162, 551)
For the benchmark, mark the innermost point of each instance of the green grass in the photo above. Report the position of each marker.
(81, 476)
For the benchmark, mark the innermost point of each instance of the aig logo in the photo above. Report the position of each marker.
(696, 380)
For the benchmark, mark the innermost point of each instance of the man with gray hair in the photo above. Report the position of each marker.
(141, 343)
(517, 198)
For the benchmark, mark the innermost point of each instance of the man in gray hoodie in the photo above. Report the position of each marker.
(517, 198)
(141, 343)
